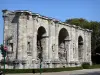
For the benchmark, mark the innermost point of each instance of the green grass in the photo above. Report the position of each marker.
(47, 69)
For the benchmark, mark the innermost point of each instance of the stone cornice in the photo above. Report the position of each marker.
(44, 17)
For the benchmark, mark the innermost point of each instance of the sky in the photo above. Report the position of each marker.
(59, 9)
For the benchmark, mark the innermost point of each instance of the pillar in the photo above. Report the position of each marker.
(67, 46)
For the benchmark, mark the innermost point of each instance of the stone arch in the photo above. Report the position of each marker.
(41, 43)
(80, 48)
(63, 42)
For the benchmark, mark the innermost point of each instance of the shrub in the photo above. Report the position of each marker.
(95, 66)
(17, 70)
(86, 65)
(42, 70)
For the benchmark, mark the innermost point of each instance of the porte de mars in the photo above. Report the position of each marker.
(33, 39)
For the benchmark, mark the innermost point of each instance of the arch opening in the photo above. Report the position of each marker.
(63, 44)
(80, 48)
(41, 43)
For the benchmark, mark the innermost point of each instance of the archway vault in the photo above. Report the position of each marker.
(63, 43)
(41, 43)
(80, 48)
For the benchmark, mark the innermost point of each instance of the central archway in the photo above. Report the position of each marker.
(41, 43)
(63, 44)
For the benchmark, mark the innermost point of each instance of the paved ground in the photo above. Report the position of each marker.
(77, 72)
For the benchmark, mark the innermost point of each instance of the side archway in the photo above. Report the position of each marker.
(80, 48)
(63, 40)
(41, 43)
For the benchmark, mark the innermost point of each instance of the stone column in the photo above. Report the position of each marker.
(34, 53)
(22, 39)
(47, 44)
(89, 49)
(56, 42)
(47, 39)
(56, 48)
(67, 47)
(50, 47)
(76, 51)
(85, 48)
(35, 46)
(81, 53)
(44, 43)
(45, 48)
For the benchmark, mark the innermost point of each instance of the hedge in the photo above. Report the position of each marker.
(38, 70)
(94, 66)
(86, 65)
(17, 70)
(47, 69)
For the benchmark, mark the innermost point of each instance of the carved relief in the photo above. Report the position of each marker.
(62, 51)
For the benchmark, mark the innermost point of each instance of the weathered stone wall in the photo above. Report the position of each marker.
(23, 27)
(10, 34)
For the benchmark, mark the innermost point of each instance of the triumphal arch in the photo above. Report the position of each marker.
(33, 39)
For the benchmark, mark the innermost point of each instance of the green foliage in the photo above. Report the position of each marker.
(38, 70)
(94, 26)
(17, 70)
(86, 65)
(94, 66)
(79, 22)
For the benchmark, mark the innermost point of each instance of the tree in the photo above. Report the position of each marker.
(79, 22)
(95, 37)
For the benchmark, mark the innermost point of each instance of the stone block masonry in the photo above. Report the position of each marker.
(33, 39)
